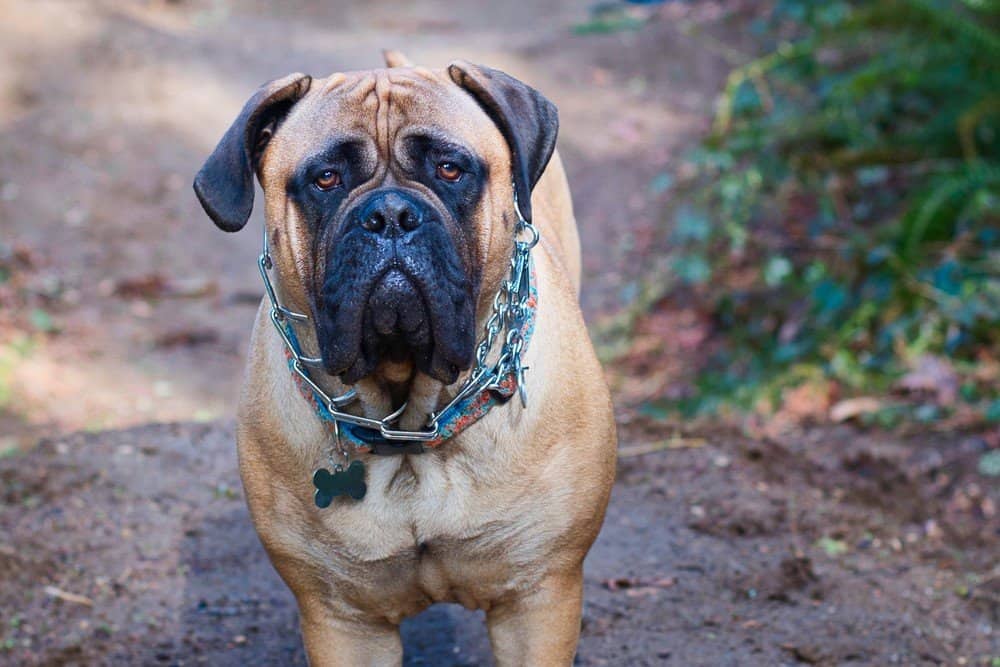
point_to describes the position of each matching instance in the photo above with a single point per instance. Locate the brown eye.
(328, 180)
(449, 172)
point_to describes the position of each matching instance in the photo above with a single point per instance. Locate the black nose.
(390, 212)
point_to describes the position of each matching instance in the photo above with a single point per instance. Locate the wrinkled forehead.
(382, 107)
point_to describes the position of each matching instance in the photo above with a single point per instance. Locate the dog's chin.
(399, 323)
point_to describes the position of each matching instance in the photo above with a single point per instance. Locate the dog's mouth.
(397, 322)
(415, 310)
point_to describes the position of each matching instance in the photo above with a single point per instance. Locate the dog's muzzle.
(396, 311)
(395, 288)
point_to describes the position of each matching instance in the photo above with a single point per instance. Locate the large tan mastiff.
(391, 224)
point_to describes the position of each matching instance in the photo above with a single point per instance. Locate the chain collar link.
(509, 310)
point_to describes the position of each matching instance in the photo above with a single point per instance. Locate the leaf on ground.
(187, 338)
(8, 446)
(156, 286)
(932, 375)
(852, 408)
(623, 583)
(691, 224)
(992, 412)
(148, 286)
(989, 464)
(832, 547)
(810, 400)
(692, 269)
(66, 596)
(42, 321)
(776, 270)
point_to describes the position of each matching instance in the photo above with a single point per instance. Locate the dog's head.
(389, 203)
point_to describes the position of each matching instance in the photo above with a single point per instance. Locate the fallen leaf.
(641, 592)
(187, 338)
(155, 286)
(623, 583)
(42, 321)
(832, 547)
(191, 288)
(854, 407)
(66, 596)
(807, 401)
(932, 375)
(806, 654)
(989, 464)
(148, 286)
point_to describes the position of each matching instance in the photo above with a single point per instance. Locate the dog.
(420, 252)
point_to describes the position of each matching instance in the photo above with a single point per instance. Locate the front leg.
(540, 627)
(333, 642)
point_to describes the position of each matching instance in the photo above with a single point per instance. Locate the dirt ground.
(124, 538)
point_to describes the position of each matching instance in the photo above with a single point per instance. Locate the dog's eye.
(449, 171)
(328, 180)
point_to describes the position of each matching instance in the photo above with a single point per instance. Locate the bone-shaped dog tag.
(341, 482)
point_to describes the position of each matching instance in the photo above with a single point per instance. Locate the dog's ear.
(395, 58)
(224, 185)
(528, 121)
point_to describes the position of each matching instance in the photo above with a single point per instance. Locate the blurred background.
(791, 235)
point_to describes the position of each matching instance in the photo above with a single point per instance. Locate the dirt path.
(725, 552)
(823, 547)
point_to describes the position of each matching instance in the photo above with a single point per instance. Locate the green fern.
(880, 124)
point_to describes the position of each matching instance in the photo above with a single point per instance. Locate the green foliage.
(42, 321)
(989, 463)
(854, 175)
(832, 547)
(611, 17)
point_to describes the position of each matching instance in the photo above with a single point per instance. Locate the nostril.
(408, 220)
(374, 222)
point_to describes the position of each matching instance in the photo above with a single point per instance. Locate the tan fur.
(395, 58)
(498, 518)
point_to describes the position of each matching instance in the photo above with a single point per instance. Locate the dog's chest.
(430, 531)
